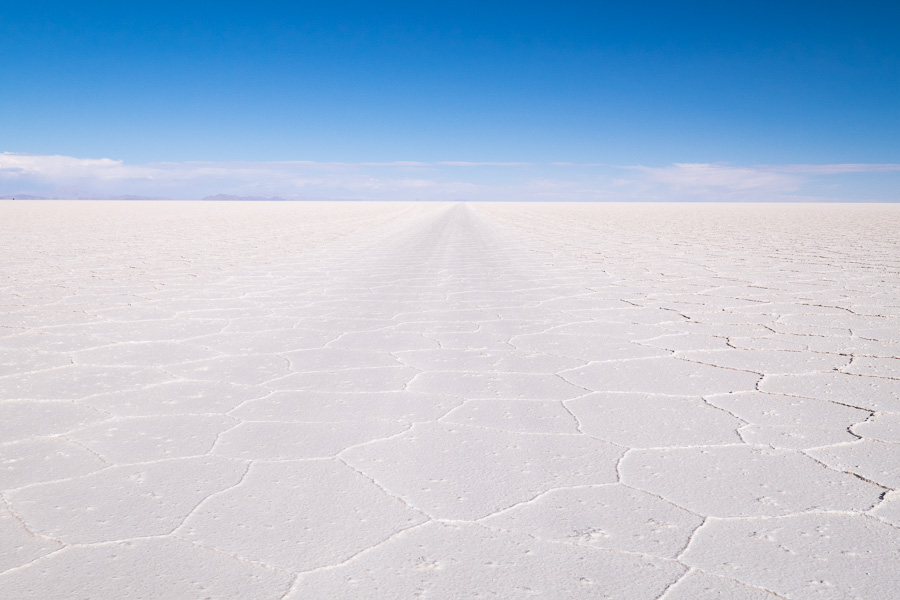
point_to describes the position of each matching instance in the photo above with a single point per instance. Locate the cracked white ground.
(313, 400)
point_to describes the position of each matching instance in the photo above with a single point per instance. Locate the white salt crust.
(389, 400)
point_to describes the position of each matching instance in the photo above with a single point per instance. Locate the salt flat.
(363, 400)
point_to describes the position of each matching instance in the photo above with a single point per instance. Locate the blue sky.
(641, 101)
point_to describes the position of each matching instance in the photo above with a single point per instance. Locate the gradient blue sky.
(646, 100)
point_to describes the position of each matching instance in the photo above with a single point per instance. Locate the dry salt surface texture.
(314, 400)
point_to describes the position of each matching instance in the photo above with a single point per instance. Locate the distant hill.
(230, 197)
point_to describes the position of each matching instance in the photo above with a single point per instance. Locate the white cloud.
(718, 177)
(833, 169)
(55, 175)
(13, 166)
(463, 163)
(48, 174)
(396, 163)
